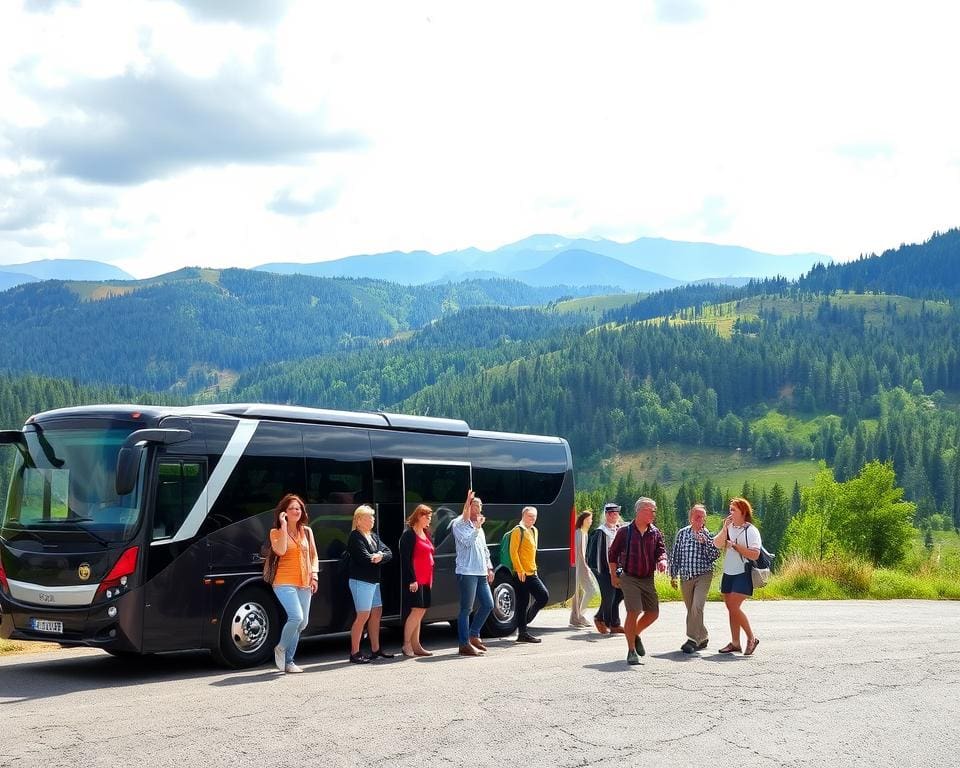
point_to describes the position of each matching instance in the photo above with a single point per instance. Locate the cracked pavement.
(856, 683)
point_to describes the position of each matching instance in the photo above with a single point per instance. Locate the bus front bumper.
(87, 625)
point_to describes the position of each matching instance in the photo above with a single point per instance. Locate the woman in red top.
(416, 574)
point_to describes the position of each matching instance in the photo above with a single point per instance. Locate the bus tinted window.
(338, 482)
(257, 484)
(540, 487)
(512, 486)
(497, 486)
(178, 487)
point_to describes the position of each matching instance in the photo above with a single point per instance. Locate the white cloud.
(185, 130)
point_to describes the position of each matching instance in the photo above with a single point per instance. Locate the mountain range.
(58, 269)
(645, 264)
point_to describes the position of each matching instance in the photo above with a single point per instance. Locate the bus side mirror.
(13, 437)
(128, 458)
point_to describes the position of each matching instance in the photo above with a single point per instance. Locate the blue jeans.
(471, 588)
(296, 603)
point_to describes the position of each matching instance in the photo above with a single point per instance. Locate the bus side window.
(179, 484)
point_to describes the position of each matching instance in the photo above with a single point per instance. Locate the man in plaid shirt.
(692, 560)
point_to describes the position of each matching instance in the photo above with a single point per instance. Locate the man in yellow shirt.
(526, 582)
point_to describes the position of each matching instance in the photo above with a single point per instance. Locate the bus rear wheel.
(503, 618)
(249, 629)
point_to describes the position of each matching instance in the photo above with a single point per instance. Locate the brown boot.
(468, 650)
(617, 631)
(478, 644)
(601, 627)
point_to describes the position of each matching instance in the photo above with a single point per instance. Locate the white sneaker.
(279, 657)
(291, 667)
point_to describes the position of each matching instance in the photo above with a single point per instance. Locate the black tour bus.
(138, 529)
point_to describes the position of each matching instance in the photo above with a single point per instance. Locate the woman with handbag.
(741, 542)
(416, 574)
(367, 555)
(295, 565)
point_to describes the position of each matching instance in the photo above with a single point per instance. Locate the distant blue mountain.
(674, 260)
(413, 268)
(12, 279)
(67, 269)
(579, 267)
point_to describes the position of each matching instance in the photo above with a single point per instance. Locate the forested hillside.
(927, 270)
(461, 344)
(188, 328)
(779, 369)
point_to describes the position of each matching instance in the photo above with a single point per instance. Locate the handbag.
(760, 568)
(758, 576)
(270, 561)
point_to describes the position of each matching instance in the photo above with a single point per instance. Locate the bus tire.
(503, 618)
(249, 629)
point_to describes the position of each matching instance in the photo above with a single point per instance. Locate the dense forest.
(180, 332)
(869, 377)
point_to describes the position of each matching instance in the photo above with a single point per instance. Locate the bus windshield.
(63, 487)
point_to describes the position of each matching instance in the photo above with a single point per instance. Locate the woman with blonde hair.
(295, 579)
(367, 555)
(585, 587)
(742, 543)
(416, 576)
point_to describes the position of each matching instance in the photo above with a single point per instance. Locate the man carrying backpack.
(607, 620)
(523, 562)
(474, 575)
(637, 552)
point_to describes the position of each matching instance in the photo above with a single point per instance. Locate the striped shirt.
(690, 556)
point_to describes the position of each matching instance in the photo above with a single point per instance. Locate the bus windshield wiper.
(75, 522)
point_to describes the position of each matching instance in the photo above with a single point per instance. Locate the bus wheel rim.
(503, 603)
(250, 627)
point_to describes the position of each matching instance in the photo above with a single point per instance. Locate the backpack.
(595, 551)
(505, 560)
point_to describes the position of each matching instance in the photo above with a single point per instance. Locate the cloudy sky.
(155, 134)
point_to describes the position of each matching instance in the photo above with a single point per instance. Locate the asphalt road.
(831, 684)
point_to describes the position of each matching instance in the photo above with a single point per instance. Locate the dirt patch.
(13, 647)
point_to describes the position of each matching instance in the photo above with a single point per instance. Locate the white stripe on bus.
(218, 479)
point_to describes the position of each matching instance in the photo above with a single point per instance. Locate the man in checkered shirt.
(692, 560)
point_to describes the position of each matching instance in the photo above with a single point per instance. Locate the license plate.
(46, 625)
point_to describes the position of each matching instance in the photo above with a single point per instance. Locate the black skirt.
(418, 599)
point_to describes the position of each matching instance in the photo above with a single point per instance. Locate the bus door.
(174, 599)
(443, 486)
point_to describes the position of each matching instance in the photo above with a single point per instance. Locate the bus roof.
(292, 413)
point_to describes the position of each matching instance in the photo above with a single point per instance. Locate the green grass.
(597, 305)
(726, 468)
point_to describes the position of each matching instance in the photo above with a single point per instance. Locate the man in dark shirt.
(637, 552)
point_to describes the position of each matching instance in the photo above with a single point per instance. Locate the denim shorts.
(366, 595)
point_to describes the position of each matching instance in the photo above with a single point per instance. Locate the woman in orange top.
(296, 578)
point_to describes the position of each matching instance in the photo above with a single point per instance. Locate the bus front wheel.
(249, 629)
(503, 618)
